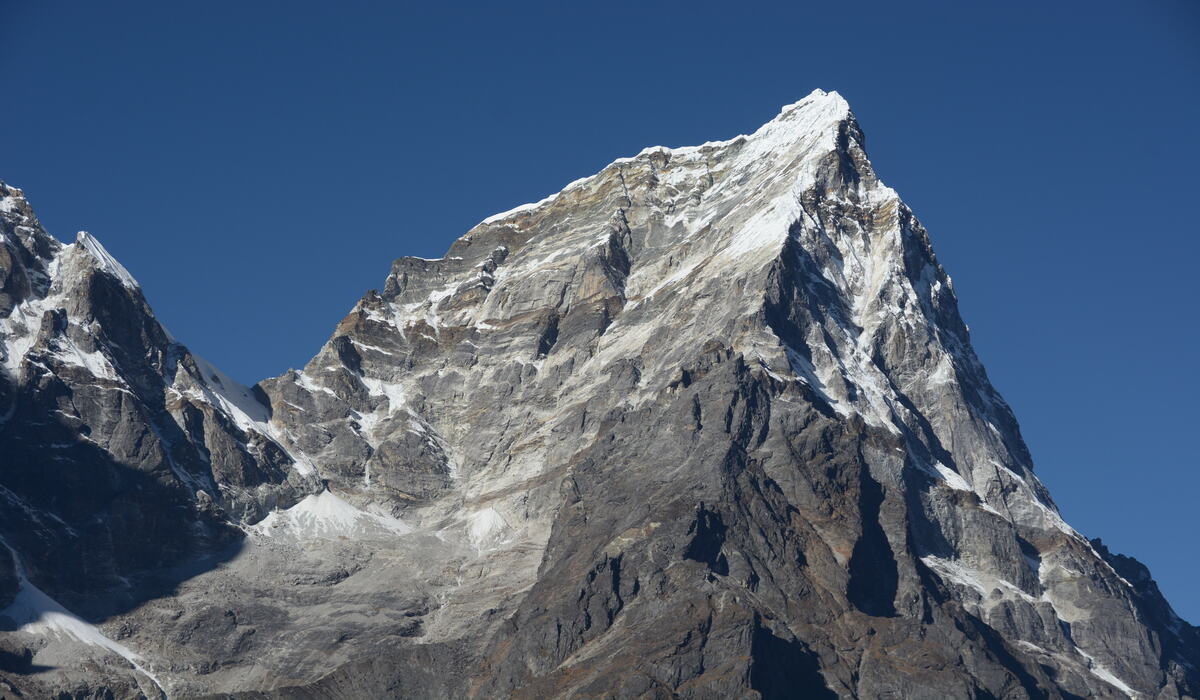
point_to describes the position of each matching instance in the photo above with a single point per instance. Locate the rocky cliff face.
(706, 423)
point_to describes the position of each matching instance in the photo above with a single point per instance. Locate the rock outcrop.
(707, 423)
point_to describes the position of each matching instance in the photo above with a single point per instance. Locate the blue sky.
(257, 166)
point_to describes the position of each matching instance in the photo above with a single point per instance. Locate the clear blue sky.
(258, 164)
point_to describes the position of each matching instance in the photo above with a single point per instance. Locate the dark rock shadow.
(100, 537)
(784, 669)
(874, 577)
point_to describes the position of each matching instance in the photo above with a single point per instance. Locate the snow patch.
(306, 382)
(94, 362)
(232, 396)
(247, 411)
(486, 528)
(983, 583)
(394, 393)
(37, 613)
(105, 261)
(327, 516)
(952, 478)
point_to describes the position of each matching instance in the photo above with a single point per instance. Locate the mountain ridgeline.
(705, 424)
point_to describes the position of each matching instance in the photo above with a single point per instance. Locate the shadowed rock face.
(706, 423)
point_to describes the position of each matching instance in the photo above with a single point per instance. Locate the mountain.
(705, 424)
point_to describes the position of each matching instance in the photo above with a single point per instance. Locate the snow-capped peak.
(104, 260)
(811, 116)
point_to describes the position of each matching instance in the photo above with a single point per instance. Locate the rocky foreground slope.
(704, 424)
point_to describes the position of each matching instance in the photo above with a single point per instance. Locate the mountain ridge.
(705, 422)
